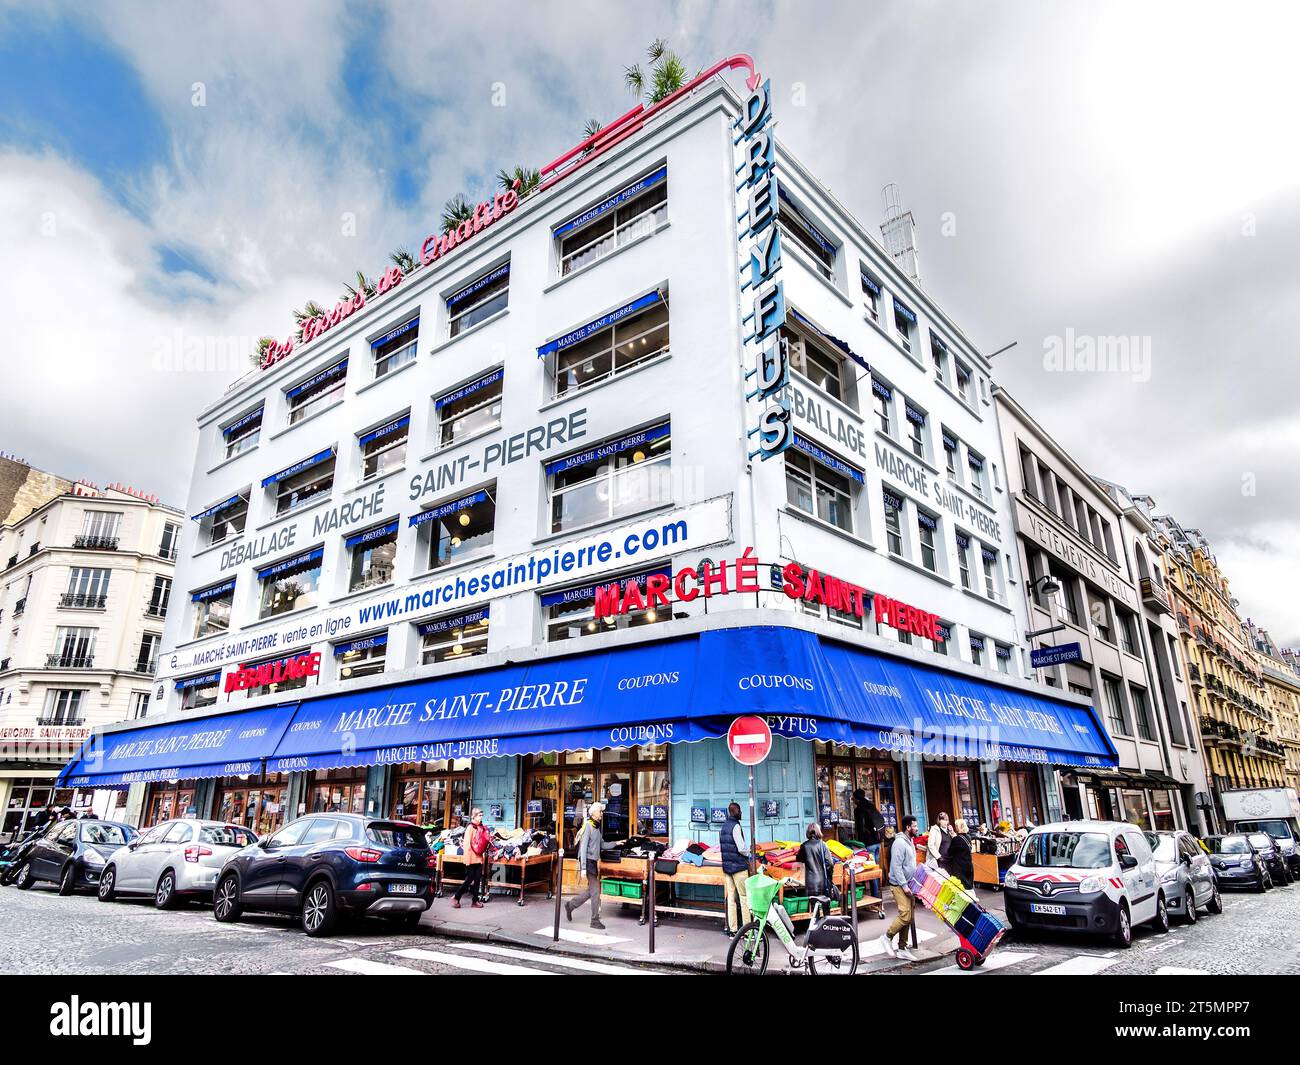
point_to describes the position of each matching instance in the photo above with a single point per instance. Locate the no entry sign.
(749, 740)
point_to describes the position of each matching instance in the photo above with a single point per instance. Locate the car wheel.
(107, 883)
(1215, 905)
(1189, 905)
(67, 880)
(164, 896)
(226, 906)
(25, 879)
(1161, 919)
(1262, 886)
(1124, 932)
(319, 911)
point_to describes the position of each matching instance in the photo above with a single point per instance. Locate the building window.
(916, 428)
(571, 613)
(612, 479)
(159, 597)
(963, 383)
(198, 692)
(450, 639)
(1028, 471)
(963, 558)
(977, 649)
(950, 453)
(938, 357)
(631, 782)
(870, 294)
(396, 348)
(87, 588)
(611, 345)
(1099, 615)
(882, 397)
(904, 325)
(383, 451)
(479, 300)
(74, 648)
(433, 793)
(290, 585)
(1002, 657)
(212, 608)
(824, 369)
(373, 553)
(989, 560)
(227, 519)
(471, 409)
(818, 489)
(1116, 712)
(139, 705)
(99, 528)
(170, 538)
(630, 213)
(976, 464)
(62, 707)
(304, 482)
(893, 522)
(807, 236)
(243, 434)
(459, 530)
(364, 657)
(1127, 631)
(317, 392)
(926, 527)
(1142, 711)
(146, 661)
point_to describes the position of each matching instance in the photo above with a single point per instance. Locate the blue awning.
(324, 375)
(234, 427)
(385, 430)
(807, 323)
(453, 507)
(305, 559)
(204, 680)
(478, 285)
(363, 644)
(868, 281)
(460, 621)
(298, 467)
(936, 341)
(617, 200)
(597, 324)
(905, 311)
(587, 592)
(379, 532)
(807, 223)
(225, 504)
(914, 414)
(218, 746)
(827, 459)
(469, 389)
(213, 591)
(393, 334)
(602, 451)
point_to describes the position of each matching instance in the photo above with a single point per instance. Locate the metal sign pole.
(559, 888)
(753, 826)
(650, 897)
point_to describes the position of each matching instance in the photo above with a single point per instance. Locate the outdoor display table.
(543, 864)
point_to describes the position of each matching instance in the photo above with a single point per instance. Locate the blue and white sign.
(213, 592)
(1042, 657)
(325, 375)
(394, 334)
(477, 286)
(827, 459)
(718, 815)
(771, 807)
(364, 644)
(617, 200)
(447, 509)
(469, 389)
(225, 504)
(534, 806)
(699, 815)
(603, 451)
(298, 467)
(597, 325)
(307, 558)
(461, 621)
(385, 430)
(379, 532)
(248, 419)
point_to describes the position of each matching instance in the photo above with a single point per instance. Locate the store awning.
(220, 745)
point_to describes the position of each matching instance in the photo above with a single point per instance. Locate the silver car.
(173, 860)
(1186, 874)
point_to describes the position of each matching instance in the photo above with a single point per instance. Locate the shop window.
(243, 434)
(882, 401)
(968, 793)
(613, 344)
(462, 529)
(823, 368)
(449, 639)
(362, 657)
(915, 428)
(338, 791)
(435, 795)
(817, 489)
(372, 554)
(198, 692)
(479, 300)
(612, 479)
(212, 608)
(256, 802)
(893, 522)
(870, 293)
(290, 585)
(396, 348)
(317, 392)
(163, 804)
(631, 213)
(571, 613)
(631, 782)
(840, 771)
(927, 527)
(963, 558)
(796, 225)
(469, 410)
(227, 520)
(305, 482)
(383, 450)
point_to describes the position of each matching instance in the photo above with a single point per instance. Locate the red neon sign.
(436, 245)
(247, 677)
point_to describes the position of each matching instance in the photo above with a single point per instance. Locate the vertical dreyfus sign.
(762, 296)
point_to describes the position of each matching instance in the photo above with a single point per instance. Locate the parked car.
(324, 865)
(1186, 874)
(1086, 876)
(172, 861)
(1278, 870)
(1236, 863)
(1282, 834)
(72, 854)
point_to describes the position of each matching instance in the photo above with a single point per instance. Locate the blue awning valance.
(617, 200)
(394, 334)
(614, 447)
(394, 426)
(453, 507)
(827, 459)
(248, 419)
(905, 311)
(325, 375)
(478, 285)
(469, 389)
(365, 643)
(379, 532)
(225, 504)
(597, 324)
(214, 591)
(587, 592)
(817, 330)
(307, 558)
(460, 621)
(298, 467)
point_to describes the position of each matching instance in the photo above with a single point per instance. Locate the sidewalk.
(680, 941)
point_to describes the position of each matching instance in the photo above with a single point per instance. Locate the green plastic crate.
(795, 905)
(620, 889)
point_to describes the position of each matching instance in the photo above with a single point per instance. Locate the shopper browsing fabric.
(960, 863)
(477, 839)
(868, 822)
(902, 864)
(817, 861)
(588, 843)
(735, 869)
(937, 841)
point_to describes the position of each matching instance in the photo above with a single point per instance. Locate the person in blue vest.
(735, 869)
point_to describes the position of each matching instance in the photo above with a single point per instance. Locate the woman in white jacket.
(937, 840)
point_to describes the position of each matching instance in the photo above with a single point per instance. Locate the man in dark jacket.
(817, 862)
(959, 861)
(735, 868)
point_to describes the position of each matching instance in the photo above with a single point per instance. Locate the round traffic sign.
(749, 740)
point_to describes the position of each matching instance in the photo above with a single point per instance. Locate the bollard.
(559, 890)
(649, 909)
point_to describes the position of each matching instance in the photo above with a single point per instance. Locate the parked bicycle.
(830, 945)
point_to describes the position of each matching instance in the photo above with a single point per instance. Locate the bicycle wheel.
(842, 962)
(747, 955)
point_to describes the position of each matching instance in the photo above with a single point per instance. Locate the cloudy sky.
(177, 177)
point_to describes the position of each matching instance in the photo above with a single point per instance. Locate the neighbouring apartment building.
(1281, 673)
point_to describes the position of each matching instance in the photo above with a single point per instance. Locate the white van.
(1095, 877)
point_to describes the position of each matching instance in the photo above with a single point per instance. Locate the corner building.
(511, 535)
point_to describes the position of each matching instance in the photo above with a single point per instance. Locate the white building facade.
(505, 535)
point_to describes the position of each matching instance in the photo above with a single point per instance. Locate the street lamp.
(1050, 587)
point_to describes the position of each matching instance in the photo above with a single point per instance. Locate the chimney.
(899, 231)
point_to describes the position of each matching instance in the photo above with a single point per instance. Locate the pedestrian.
(960, 863)
(902, 864)
(937, 841)
(589, 843)
(735, 869)
(817, 861)
(868, 823)
(66, 814)
(475, 847)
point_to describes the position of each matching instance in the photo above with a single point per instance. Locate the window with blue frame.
(458, 530)
(634, 211)
(319, 391)
(290, 585)
(396, 348)
(796, 224)
(478, 301)
(618, 477)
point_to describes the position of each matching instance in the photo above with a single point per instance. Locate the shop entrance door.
(579, 793)
(540, 802)
(939, 796)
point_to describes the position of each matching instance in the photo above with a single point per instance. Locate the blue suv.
(324, 865)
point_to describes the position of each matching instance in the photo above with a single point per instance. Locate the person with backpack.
(589, 842)
(735, 869)
(475, 846)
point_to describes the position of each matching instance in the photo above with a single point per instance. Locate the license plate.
(403, 889)
(1048, 908)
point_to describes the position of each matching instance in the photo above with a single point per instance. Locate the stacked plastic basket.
(959, 909)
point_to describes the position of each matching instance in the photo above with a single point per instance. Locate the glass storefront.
(1018, 798)
(173, 798)
(432, 793)
(840, 771)
(631, 782)
(256, 802)
(337, 791)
